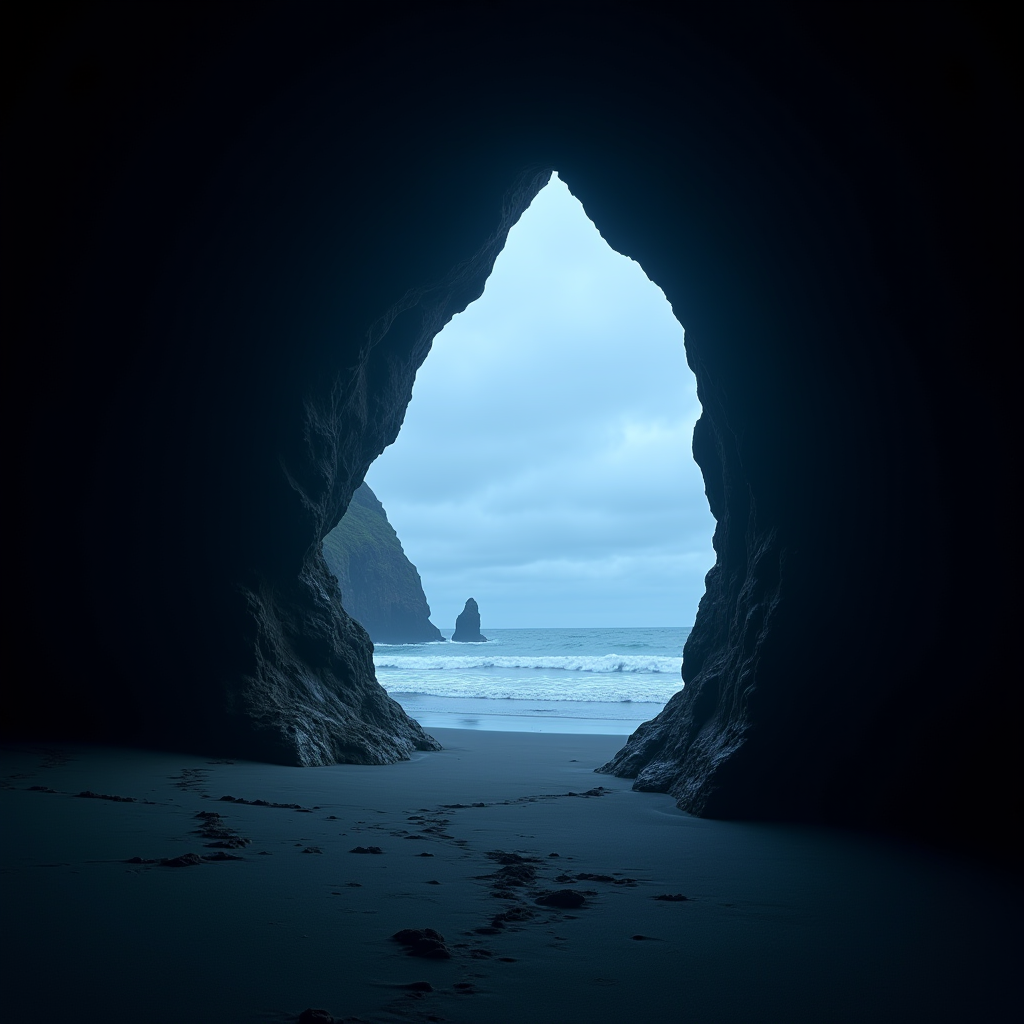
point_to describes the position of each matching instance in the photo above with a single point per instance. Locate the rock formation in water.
(269, 220)
(380, 587)
(467, 625)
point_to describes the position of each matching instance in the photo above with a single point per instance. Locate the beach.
(107, 918)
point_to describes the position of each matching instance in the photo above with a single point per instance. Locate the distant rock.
(467, 625)
(380, 587)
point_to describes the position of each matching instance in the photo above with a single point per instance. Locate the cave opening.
(543, 469)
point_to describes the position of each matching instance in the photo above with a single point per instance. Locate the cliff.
(467, 625)
(380, 587)
(271, 218)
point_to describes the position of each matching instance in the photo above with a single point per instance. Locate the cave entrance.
(543, 469)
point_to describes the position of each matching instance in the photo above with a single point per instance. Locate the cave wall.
(231, 240)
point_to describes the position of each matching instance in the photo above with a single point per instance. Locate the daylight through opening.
(543, 470)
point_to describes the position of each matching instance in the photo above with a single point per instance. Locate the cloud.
(544, 465)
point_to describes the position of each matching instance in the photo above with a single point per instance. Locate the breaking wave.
(606, 689)
(603, 663)
(550, 668)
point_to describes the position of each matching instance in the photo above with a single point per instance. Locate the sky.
(544, 466)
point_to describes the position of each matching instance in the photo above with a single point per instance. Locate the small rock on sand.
(310, 1016)
(423, 942)
(186, 860)
(566, 899)
(512, 915)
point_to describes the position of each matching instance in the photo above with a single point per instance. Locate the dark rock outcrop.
(380, 587)
(467, 625)
(214, 322)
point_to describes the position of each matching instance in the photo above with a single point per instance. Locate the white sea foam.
(583, 688)
(540, 665)
(568, 663)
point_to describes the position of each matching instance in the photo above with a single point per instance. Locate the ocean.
(603, 681)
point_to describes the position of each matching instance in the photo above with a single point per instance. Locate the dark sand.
(780, 924)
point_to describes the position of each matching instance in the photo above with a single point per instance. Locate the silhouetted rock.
(380, 587)
(467, 625)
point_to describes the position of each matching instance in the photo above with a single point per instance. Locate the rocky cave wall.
(231, 243)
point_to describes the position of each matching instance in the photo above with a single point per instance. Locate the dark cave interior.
(229, 245)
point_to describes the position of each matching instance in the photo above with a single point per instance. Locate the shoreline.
(507, 714)
(781, 924)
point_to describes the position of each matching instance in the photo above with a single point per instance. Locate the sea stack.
(467, 625)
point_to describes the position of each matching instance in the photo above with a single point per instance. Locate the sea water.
(537, 680)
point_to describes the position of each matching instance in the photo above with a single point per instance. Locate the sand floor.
(780, 924)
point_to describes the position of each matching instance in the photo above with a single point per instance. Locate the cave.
(230, 245)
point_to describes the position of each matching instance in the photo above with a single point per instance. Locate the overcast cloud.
(544, 467)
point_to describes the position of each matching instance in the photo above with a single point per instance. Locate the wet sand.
(138, 910)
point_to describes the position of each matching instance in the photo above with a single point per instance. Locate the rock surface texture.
(380, 587)
(467, 625)
(216, 321)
